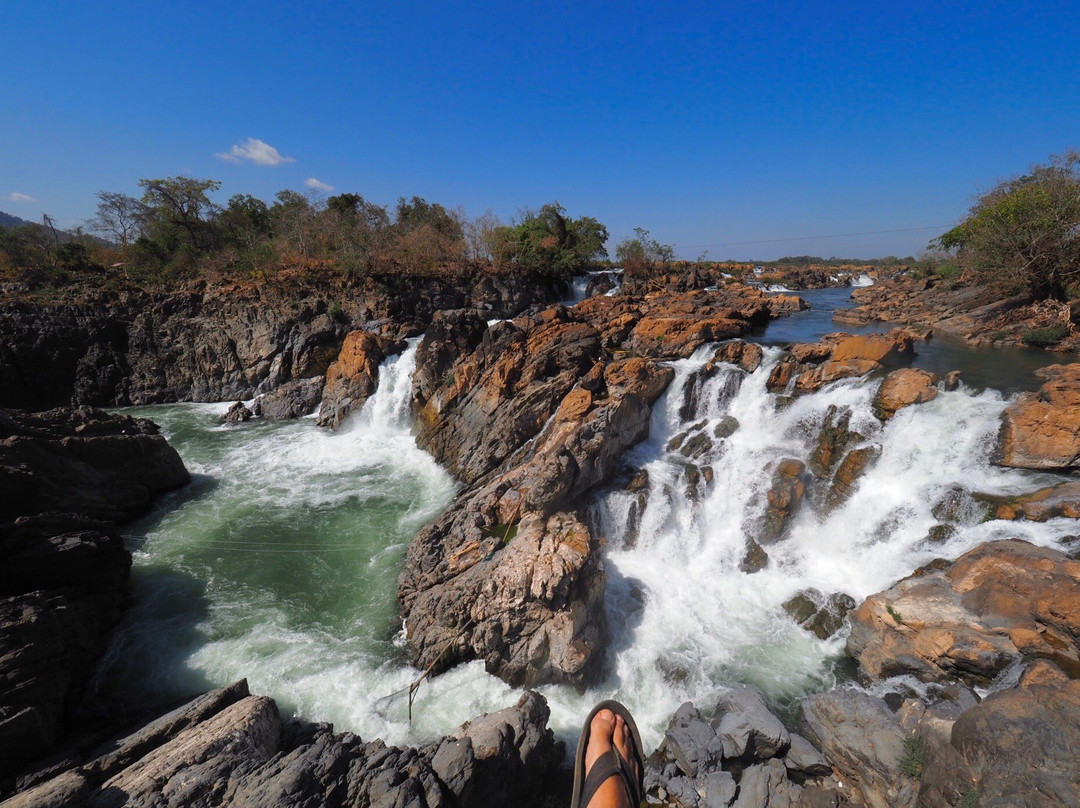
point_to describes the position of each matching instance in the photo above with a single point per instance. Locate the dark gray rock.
(765, 785)
(291, 400)
(803, 759)
(747, 727)
(238, 413)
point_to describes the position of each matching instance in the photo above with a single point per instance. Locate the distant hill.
(7, 220)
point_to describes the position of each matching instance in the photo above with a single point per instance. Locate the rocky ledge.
(229, 748)
(67, 477)
(971, 312)
(533, 414)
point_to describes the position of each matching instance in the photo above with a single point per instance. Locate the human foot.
(621, 773)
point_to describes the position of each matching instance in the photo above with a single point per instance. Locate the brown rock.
(833, 440)
(1042, 430)
(811, 352)
(831, 371)
(352, 378)
(747, 355)
(847, 475)
(880, 348)
(998, 603)
(902, 388)
(1062, 499)
(784, 498)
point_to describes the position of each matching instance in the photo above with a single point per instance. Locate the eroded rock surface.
(229, 748)
(995, 605)
(1042, 430)
(903, 388)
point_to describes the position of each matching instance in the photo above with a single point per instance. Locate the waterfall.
(387, 410)
(862, 280)
(686, 620)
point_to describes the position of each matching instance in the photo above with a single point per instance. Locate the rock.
(822, 616)
(833, 441)
(83, 461)
(861, 738)
(544, 420)
(811, 353)
(746, 727)
(833, 370)
(846, 478)
(884, 349)
(782, 374)
(726, 427)
(997, 604)
(902, 388)
(1062, 499)
(1042, 430)
(230, 749)
(784, 499)
(691, 741)
(746, 355)
(1020, 745)
(292, 399)
(952, 381)
(237, 414)
(755, 558)
(765, 785)
(352, 378)
(803, 759)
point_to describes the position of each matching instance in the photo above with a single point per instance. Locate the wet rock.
(1062, 499)
(939, 534)
(782, 374)
(726, 427)
(238, 413)
(833, 441)
(755, 558)
(862, 738)
(1042, 430)
(746, 355)
(833, 370)
(952, 381)
(959, 506)
(822, 616)
(352, 378)
(997, 604)
(903, 388)
(785, 496)
(811, 353)
(292, 399)
(848, 474)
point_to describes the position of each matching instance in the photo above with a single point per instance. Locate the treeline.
(176, 230)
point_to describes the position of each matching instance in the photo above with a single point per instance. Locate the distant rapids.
(280, 562)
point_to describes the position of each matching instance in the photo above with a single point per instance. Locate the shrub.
(914, 757)
(1045, 337)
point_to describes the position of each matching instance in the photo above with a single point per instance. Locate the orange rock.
(1042, 430)
(352, 378)
(880, 348)
(902, 388)
(832, 371)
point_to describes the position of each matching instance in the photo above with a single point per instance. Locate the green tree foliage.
(1024, 234)
(643, 250)
(549, 243)
(119, 217)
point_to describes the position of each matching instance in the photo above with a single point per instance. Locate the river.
(279, 562)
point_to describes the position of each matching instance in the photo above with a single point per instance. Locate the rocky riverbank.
(217, 341)
(974, 313)
(67, 479)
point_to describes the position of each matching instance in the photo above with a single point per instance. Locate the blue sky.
(711, 125)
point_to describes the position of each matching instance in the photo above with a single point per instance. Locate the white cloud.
(316, 185)
(17, 197)
(257, 151)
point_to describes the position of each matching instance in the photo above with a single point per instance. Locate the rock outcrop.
(352, 377)
(808, 367)
(208, 341)
(1042, 430)
(65, 477)
(229, 748)
(1000, 603)
(291, 400)
(533, 414)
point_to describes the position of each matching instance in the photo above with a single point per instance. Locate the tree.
(1024, 234)
(549, 243)
(182, 203)
(119, 217)
(643, 250)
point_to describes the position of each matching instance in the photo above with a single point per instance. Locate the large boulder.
(83, 461)
(292, 399)
(972, 618)
(862, 738)
(902, 388)
(1042, 430)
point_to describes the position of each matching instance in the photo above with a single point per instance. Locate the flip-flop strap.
(608, 765)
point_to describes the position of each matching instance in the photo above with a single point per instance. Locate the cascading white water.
(862, 280)
(279, 563)
(687, 621)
